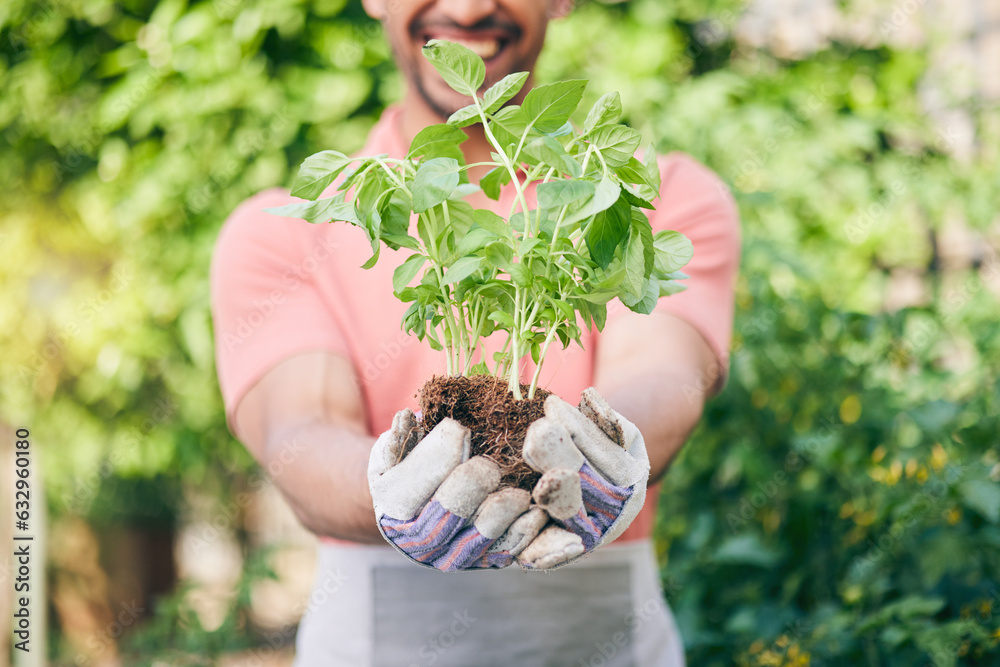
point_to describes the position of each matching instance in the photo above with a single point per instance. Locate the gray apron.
(371, 607)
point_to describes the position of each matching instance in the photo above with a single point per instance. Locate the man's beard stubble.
(420, 27)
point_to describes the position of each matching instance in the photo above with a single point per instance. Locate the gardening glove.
(594, 472)
(438, 506)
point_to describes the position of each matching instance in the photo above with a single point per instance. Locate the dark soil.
(498, 421)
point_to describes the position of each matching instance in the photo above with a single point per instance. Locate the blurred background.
(840, 503)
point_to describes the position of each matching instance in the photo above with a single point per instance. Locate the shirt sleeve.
(266, 303)
(696, 203)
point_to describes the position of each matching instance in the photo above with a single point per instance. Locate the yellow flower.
(911, 468)
(757, 646)
(922, 474)
(895, 472)
(953, 516)
(850, 409)
(852, 594)
(939, 457)
(878, 454)
(865, 518)
(769, 659)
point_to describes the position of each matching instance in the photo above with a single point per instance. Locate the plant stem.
(507, 162)
(448, 315)
(462, 344)
(541, 360)
(514, 383)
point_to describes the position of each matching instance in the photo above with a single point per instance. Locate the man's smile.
(489, 40)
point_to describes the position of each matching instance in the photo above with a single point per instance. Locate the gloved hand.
(595, 469)
(441, 508)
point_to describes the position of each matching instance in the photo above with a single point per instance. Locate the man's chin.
(441, 99)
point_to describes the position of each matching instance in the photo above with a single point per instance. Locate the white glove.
(595, 469)
(441, 508)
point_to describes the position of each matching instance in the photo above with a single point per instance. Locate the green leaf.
(635, 200)
(608, 109)
(606, 193)
(653, 169)
(673, 251)
(594, 312)
(489, 220)
(461, 69)
(499, 254)
(373, 259)
(612, 278)
(608, 230)
(565, 309)
(647, 301)
(636, 172)
(397, 241)
(462, 269)
(460, 216)
(440, 140)
(556, 194)
(355, 173)
(462, 191)
(396, 214)
(508, 125)
(434, 182)
(520, 274)
(671, 287)
(464, 117)
(479, 369)
(617, 143)
(551, 152)
(503, 90)
(637, 258)
(599, 296)
(495, 179)
(547, 107)
(476, 239)
(983, 497)
(503, 319)
(406, 272)
(527, 244)
(372, 190)
(373, 229)
(643, 230)
(321, 210)
(317, 172)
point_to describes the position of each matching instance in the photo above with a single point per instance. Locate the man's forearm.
(322, 471)
(665, 407)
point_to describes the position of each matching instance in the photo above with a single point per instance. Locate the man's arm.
(304, 422)
(657, 371)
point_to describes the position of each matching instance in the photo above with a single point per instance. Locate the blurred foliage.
(176, 635)
(839, 504)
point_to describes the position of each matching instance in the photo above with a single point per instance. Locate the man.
(313, 366)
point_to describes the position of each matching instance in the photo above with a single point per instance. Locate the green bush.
(840, 502)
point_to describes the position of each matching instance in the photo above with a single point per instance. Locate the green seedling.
(539, 274)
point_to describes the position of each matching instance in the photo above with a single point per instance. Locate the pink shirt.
(283, 286)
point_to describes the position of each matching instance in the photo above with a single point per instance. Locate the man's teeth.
(484, 48)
